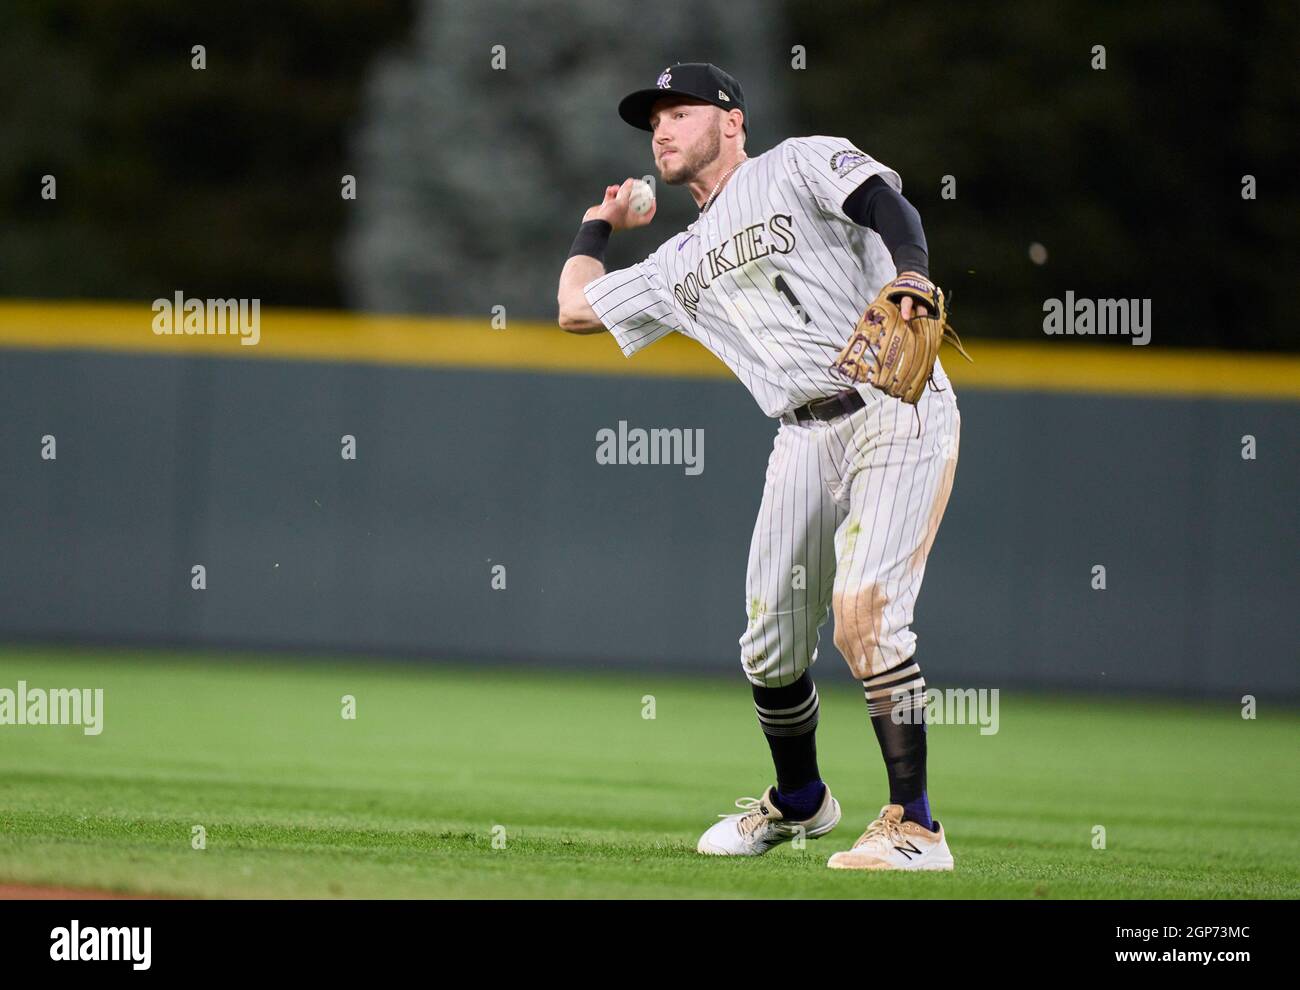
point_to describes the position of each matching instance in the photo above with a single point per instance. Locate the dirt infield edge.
(46, 892)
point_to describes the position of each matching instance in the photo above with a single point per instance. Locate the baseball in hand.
(641, 198)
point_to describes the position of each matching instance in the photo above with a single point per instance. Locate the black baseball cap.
(702, 80)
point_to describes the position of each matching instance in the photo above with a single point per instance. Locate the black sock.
(896, 704)
(788, 717)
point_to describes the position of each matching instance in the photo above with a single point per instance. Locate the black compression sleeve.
(876, 205)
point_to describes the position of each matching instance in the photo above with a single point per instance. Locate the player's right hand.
(615, 210)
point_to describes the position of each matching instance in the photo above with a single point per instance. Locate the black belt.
(831, 407)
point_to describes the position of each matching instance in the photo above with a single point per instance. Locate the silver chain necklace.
(718, 185)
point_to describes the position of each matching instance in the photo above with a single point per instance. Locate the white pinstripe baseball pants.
(849, 513)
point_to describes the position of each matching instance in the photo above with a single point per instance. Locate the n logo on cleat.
(910, 846)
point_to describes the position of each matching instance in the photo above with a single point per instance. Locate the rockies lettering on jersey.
(745, 246)
(772, 279)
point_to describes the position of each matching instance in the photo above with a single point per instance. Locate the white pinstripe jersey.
(772, 279)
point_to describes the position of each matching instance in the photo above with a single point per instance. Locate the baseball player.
(790, 247)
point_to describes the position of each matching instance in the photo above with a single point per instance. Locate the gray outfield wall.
(235, 464)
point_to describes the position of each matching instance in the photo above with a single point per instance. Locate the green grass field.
(597, 801)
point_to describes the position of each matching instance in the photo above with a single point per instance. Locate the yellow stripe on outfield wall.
(1061, 364)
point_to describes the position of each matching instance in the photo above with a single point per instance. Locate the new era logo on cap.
(698, 80)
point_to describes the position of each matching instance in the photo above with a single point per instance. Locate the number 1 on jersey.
(783, 287)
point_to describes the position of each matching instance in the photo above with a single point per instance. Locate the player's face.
(687, 138)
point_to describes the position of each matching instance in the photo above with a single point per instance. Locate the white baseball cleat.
(889, 843)
(760, 826)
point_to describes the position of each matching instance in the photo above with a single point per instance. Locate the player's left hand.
(909, 307)
(896, 352)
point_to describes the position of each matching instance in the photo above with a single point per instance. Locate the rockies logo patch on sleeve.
(844, 162)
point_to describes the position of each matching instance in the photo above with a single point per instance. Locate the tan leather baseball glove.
(894, 355)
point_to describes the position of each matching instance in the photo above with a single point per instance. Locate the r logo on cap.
(700, 81)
